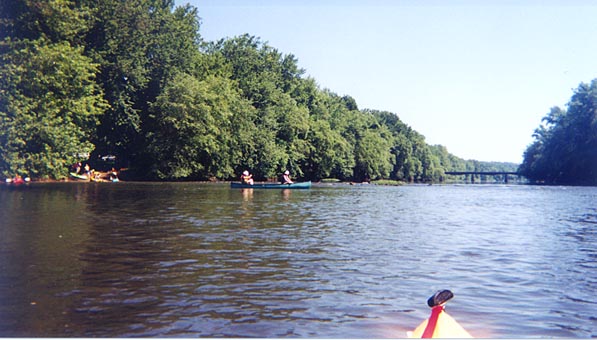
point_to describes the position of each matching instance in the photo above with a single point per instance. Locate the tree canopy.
(565, 147)
(134, 79)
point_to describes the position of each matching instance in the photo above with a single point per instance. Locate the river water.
(335, 261)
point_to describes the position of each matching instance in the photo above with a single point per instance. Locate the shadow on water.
(190, 259)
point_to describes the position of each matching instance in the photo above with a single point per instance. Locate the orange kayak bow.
(440, 324)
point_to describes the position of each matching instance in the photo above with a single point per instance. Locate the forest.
(85, 81)
(564, 150)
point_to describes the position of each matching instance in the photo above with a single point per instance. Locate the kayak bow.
(440, 324)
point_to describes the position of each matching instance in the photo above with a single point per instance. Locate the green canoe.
(296, 185)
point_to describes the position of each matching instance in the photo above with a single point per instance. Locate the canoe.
(79, 177)
(295, 185)
(439, 324)
(17, 180)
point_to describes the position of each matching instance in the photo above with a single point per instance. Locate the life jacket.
(245, 179)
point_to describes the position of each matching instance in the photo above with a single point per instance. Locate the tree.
(193, 137)
(49, 108)
(372, 155)
(172, 106)
(140, 45)
(328, 155)
(269, 81)
(565, 147)
(52, 20)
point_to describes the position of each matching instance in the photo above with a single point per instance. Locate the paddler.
(246, 178)
(286, 178)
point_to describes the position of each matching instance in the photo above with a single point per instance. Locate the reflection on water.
(188, 259)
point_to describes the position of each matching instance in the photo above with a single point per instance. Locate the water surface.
(204, 260)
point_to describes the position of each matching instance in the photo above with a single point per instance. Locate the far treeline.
(83, 80)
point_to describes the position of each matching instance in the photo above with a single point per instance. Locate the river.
(335, 261)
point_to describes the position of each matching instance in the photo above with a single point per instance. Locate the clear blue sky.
(474, 76)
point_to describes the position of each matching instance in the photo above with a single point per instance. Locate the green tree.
(172, 106)
(372, 155)
(331, 143)
(53, 20)
(329, 155)
(140, 45)
(413, 159)
(49, 106)
(269, 80)
(193, 137)
(565, 147)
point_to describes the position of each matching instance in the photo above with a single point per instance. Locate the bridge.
(481, 173)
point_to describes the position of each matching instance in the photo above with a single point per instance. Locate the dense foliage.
(565, 146)
(82, 79)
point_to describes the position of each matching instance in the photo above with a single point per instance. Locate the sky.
(474, 76)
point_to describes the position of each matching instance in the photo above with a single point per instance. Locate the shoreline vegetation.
(325, 181)
(135, 85)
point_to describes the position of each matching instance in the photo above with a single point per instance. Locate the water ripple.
(188, 260)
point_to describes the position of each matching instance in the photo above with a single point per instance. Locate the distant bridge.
(486, 173)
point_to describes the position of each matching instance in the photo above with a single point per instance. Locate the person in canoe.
(286, 178)
(88, 171)
(246, 178)
(77, 167)
(113, 175)
(18, 180)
